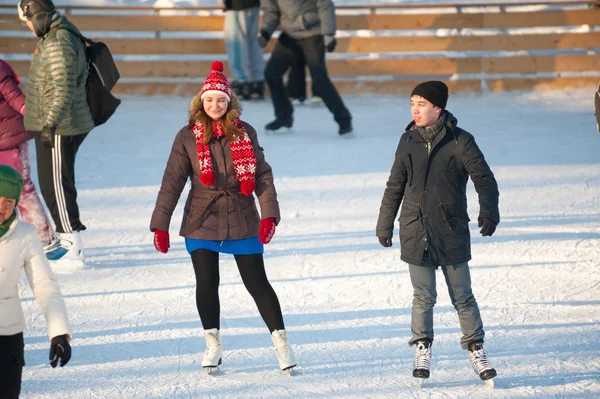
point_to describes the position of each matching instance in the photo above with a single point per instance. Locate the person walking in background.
(308, 27)
(21, 250)
(14, 152)
(245, 56)
(58, 111)
(226, 165)
(433, 163)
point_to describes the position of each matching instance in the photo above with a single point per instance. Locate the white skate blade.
(66, 266)
(284, 131)
(420, 382)
(489, 383)
(289, 372)
(212, 370)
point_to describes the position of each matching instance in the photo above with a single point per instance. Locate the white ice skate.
(480, 364)
(66, 253)
(213, 356)
(422, 360)
(285, 354)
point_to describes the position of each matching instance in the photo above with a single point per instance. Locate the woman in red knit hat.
(226, 165)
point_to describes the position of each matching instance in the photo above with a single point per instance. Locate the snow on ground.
(346, 300)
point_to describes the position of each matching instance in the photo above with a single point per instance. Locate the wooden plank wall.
(455, 57)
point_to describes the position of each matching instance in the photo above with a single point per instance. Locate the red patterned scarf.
(242, 154)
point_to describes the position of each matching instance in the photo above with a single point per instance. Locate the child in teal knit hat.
(21, 250)
(11, 184)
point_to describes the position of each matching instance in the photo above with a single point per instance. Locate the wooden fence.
(381, 49)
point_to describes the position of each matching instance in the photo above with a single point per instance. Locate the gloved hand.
(263, 38)
(267, 230)
(59, 350)
(47, 136)
(386, 242)
(161, 241)
(488, 226)
(330, 43)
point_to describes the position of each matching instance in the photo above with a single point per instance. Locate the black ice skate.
(279, 123)
(236, 87)
(257, 90)
(481, 366)
(422, 360)
(345, 127)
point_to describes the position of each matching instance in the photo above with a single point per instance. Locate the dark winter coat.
(432, 190)
(56, 89)
(12, 99)
(299, 18)
(219, 212)
(238, 5)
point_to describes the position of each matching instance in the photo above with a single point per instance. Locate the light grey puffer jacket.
(299, 18)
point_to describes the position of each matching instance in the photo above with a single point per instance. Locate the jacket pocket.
(457, 238)
(452, 173)
(409, 169)
(410, 225)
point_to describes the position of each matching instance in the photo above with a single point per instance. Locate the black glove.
(386, 242)
(263, 38)
(488, 227)
(330, 43)
(47, 136)
(59, 349)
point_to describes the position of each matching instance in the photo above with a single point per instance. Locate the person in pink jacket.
(20, 250)
(14, 152)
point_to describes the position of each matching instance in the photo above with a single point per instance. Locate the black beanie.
(434, 91)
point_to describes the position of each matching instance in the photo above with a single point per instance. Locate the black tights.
(252, 270)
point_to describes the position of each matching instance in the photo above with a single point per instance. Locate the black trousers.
(12, 360)
(296, 83)
(56, 174)
(252, 271)
(284, 56)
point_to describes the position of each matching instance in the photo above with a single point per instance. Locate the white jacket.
(20, 248)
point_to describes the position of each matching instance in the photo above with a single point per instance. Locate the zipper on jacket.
(226, 185)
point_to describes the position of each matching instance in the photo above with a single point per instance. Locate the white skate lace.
(423, 357)
(479, 361)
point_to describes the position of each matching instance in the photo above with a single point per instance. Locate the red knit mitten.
(161, 241)
(267, 230)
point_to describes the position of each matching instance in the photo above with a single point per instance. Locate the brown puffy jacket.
(219, 212)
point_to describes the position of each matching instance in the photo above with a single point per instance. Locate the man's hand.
(47, 136)
(263, 38)
(330, 43)
(385, 241)
(488, 227)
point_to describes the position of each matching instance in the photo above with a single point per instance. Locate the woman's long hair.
(234, 109)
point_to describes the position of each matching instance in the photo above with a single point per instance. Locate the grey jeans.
(458, 280)
(245, 55)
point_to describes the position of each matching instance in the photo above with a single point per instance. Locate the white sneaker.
(213, 356)
(284, 351)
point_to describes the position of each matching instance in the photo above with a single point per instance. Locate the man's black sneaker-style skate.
(345, 127)
(422, 359)
(279, 123)
(479, 361)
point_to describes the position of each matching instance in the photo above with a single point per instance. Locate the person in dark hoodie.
(58, 111)
(307, 27)
(433, 163)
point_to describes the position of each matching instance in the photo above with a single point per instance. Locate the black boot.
(236, 87)
(345, 126)
(279, 123)
(257, 90)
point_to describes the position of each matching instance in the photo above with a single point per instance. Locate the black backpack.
(103, 74)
